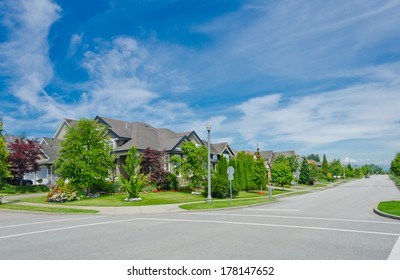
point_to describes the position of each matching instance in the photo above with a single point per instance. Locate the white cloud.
(74, 44)
(364, 111)
(26, 52)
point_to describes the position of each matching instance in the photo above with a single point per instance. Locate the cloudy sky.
(311, 76)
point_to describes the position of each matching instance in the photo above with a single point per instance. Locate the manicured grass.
(225, 203)
(148, 199)
(118, 199)
(390, 207)
(46, 209)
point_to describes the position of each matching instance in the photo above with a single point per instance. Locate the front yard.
(157, 198)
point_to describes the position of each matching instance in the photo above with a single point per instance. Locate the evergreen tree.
(313, 172)
(260, 174)
(325, 166)
(220, 186)
(305, 174)
(314, 157)
(136, 180)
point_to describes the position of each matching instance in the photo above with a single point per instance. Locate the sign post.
(230, 172)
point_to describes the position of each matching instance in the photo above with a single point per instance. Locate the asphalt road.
(332, 224)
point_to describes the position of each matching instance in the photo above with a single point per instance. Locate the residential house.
(269, 156)
(125, 135)
(219, 150)
(50, 147)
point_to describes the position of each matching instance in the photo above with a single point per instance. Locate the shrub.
(63, 194)
(170, 182)
(10, 189)
(220, 188)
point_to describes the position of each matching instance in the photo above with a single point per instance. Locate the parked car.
(17, 182)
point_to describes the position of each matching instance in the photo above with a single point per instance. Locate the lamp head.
(208, 127)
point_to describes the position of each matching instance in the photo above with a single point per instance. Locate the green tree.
(85, 158)
(291, 161)
(314, 157)
(281, 174)
(313, 172)
(395, 165)
(4, 171)
(336, 168)
(193, 165)
(246, 163)
(305, 174)
(260, 176)
(220, 183)
(325, 166)
(136, 180)
(349, 171)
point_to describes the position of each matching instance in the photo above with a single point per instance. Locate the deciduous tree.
(23, 158)
(4, 171)
(395, 165)
(85, 158)
(193, 165)
(281, 174)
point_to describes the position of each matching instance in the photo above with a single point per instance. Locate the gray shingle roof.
(142, 135)
(50, 147)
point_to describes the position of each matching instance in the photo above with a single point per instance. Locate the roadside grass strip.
(11, 206)
(390, 207)
(227, 203)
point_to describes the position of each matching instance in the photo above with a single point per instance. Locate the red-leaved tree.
(152, 164)
(23, 158)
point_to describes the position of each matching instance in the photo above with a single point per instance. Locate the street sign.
(230, 170)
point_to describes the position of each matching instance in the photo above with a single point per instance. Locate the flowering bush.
(58, 194)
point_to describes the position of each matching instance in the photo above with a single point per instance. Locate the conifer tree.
(325, 166)
(136, 180)
(260, 174)
(305, 176)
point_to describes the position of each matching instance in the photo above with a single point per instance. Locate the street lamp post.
(209, 198)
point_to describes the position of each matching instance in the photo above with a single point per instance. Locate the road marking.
(294, 217)
(272, 209)
(65, 228)
(273, 225)
(395, 254)
(53, 221)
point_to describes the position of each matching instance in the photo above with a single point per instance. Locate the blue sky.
(311, 76)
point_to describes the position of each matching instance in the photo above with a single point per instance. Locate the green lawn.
(148, 199)
(11, 206)
(390, 207)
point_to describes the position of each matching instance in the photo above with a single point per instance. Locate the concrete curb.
(386, 215)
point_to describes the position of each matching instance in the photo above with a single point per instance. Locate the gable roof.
(50, 148)
(65, 122)
(143, 136)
